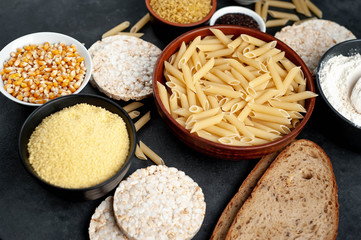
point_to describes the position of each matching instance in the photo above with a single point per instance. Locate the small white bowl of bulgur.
(80, 146)
(39, 67)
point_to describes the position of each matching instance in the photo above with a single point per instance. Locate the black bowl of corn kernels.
(39, 67)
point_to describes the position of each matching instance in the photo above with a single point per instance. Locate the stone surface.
(29, 211)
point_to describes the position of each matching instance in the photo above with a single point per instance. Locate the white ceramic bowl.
(237, 9)
(40, 38)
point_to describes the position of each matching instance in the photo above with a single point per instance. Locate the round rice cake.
(159, 202)
(103, 225)
(123, 67)
(312, 38)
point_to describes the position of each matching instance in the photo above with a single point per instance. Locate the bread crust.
(230, 212)
(287, 154)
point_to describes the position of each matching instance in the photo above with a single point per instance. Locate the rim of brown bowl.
(203, 20)
(219, 150)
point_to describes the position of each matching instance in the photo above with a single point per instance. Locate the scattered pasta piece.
(142, 121)
(134, 114)
(151, 154)
(139, 153)
(132, 106)
(140, 23)
(304, 7)
(116, 29)
(138, 35)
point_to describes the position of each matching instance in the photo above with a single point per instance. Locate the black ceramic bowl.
(335, 125)
(56, 105)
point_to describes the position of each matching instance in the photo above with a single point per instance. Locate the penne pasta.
(250, 94)
(314, 8)
(258, 7)
(142, 121)
(281, 4)
(132, 106)
(139, 153)
(163, 94)
(204, 123)
(298, 96)
(305, 9)
(290, 16)
(264, 11)
(298, 6)
(221, 36)
(188, 53)
(277, 22)
(138, 35)
(116, 29)
(144, 20)
(134, 114)
(151, 154)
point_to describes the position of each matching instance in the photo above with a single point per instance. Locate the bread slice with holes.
(296, 198)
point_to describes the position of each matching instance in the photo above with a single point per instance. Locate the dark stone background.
(28, 211)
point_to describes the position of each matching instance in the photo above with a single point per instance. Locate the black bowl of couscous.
(171, 18)
(78, 146)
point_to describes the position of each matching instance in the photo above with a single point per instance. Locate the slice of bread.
(230, 212)
(296, 198)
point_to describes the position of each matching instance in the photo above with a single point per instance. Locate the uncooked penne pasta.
(204, 123)
(116, 29)
(203, 70)
(314, 8)
(132, 106)
(138, 35)
(180, 53)
(188, 53)
(298, 6)
(261, 50)
(258, 7)
(290, 16)
(306, 11)
(277, 22)
(264, 11)
(274, 73)
(289, 106)
(234, 99)
(163, 94)
(134, 114)
(221, 36)
(235, 43)
(252, 40)
(173, 104)
(210, 47)
(151, 154)
(298, 96)
(139, 153)
(196, 60)
(140, 23)
(206, 135)
(142, 121)
(281, 4)
(269, 110)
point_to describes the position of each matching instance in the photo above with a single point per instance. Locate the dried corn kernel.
(37, 73)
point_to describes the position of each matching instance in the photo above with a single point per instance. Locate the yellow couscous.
(79, 146)
(181, 11)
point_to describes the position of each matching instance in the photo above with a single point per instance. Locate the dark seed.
(238, 19)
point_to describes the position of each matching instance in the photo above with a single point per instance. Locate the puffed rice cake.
(102, 224)
(312, 38)
(123, 67)
(159, 202)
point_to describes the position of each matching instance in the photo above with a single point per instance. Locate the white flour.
(338, 77)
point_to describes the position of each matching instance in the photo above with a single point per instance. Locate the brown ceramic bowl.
(219, 150)
(169, 30)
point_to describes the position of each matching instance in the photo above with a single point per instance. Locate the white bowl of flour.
(339, 81)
